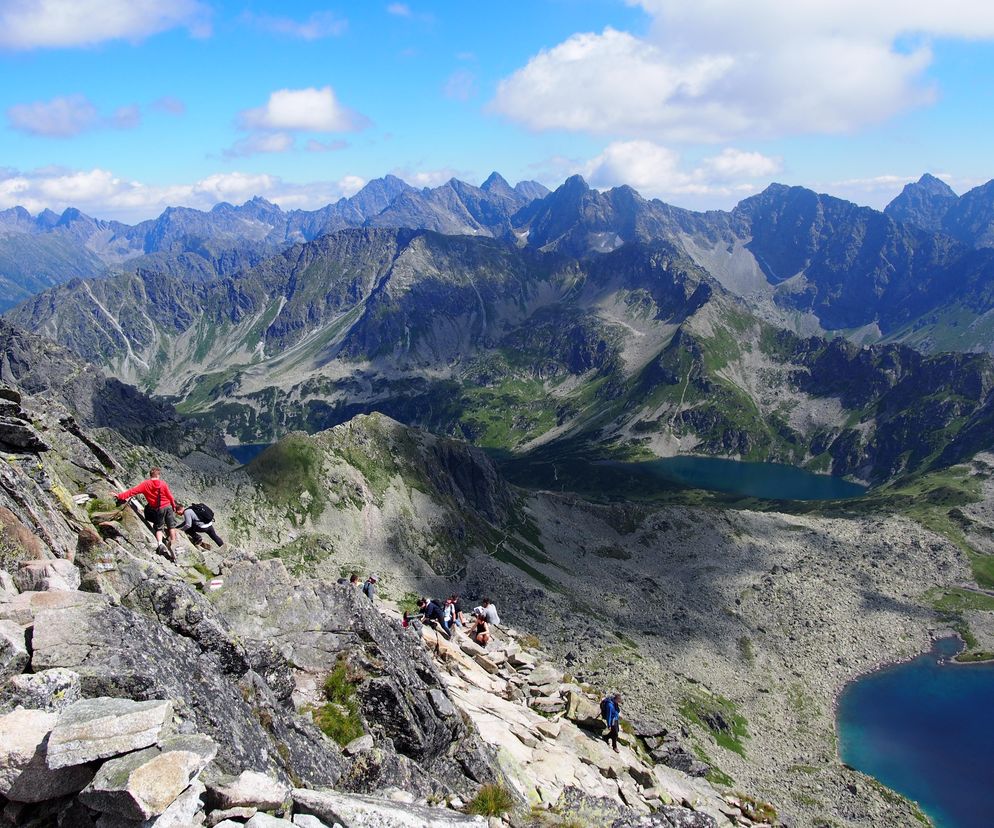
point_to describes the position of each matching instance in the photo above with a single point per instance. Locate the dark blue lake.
(767, 480)
(926, 729)
(247, 452)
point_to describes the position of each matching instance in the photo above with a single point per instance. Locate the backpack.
(203, 512)
(605, 708)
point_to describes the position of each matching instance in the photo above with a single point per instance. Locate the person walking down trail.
(489, 612)
(369, 588)
(197, 518)
(160, 508)
(611, 713)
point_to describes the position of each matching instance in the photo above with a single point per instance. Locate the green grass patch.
(719, 716)
(289, 468)
(983, 569)
(339, 717)
(956, 600)
(491, 801)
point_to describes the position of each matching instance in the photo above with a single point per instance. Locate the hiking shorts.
(164, 518)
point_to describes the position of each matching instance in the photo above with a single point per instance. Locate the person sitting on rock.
(197, 518)
(159, 508)
(369, 588)
(434, 616)
(489, 611)
(481, 631)
(611, 711)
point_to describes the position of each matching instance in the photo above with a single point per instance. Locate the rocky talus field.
(243, 685)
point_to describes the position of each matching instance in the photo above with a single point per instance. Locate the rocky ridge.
(135, 694)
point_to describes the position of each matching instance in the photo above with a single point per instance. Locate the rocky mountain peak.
(923, 203)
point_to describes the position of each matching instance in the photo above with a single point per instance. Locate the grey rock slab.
(97, 728)
(216, 816)
(358, 745)
(248, 789)
(353, 811)
(24, 607)
(56, 575)
(7, 587)
(24, 774)
(185, 809)
(441, 702)
(53, 690)
(308, 821)
(13, 651)
(261, 820)
(669, 816)
(144, 784)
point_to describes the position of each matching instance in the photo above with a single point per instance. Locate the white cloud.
(657, 171)
(260, 142)
(312, 110)
(400, 10)
(67, 116)
(34, 24)
(100, 193)
(714, 70)
(425, 178)
(460, 85)
(57, 118)
(319, 25)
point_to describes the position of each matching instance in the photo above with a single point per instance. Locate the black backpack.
(203, 512)
(604, 707)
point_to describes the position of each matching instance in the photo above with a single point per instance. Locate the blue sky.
(121, 107)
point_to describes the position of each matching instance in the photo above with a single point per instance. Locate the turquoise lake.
(766, 480)
(926, 729)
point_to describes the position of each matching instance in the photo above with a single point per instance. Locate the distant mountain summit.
(923, 204)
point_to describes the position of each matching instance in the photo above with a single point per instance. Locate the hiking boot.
(204, 545)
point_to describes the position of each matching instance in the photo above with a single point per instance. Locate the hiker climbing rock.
(369, 588)
(611, 713)
(198, 518)
(434, 616)
(159, 508)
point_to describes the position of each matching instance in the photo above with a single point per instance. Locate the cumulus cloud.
(460, 85)
(311, 110)
(657, 171)
(39, 24)
(712, 71)
(101, 193)
(399, 10)
(319, 25)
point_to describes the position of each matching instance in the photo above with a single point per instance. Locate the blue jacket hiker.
(611, 713)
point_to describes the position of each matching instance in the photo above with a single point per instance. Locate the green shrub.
(491, 800)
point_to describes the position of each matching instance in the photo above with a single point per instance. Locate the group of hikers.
(165, 515)
(447, 617)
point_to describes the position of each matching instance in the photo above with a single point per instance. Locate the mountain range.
(49, 249)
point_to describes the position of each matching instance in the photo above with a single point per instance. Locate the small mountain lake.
(925, 729)
(772, 481)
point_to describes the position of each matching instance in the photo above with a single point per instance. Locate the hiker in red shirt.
(159, 508)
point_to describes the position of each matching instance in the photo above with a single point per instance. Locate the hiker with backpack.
(433, 615)
(489, 611)
(611, 714)
(160, 506)
(197, 518)
(369, 588)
